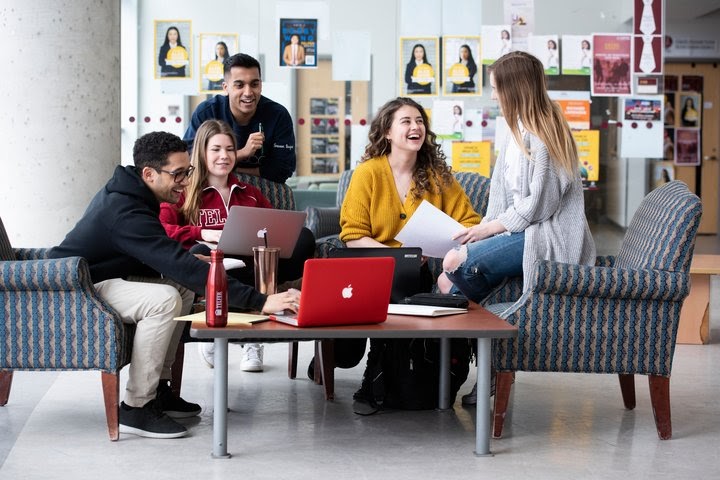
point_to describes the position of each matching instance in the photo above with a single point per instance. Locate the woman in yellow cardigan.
(402, 166)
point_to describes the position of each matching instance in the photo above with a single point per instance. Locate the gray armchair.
(619, 317)
(52, 319)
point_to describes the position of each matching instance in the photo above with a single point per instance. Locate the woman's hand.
(479, 232)
(278, 302)
(212, 236)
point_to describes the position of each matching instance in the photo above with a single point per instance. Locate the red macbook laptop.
(343, 291)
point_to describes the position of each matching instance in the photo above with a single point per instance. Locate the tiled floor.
(559, 426)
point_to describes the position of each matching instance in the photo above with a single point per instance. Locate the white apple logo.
(347, 291)
(262, 233)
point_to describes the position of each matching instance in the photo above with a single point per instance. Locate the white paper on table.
(430, 229)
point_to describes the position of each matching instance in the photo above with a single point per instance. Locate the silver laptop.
(247, 227)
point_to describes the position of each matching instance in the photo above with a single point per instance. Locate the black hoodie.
(120, 235)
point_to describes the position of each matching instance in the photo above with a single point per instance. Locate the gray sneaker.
(149, 421)
(471, 398)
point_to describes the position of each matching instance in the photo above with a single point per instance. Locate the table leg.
(444, 387)
(220, 399)
(482, 409)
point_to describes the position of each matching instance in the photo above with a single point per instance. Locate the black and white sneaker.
(149, 421)
(172, 405)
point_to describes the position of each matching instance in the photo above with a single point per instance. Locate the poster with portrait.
(520, 15)
(577, 54)
(687, 147)
(298, 43)
(173, 49)
(690, 110)
(461, 75)
(612, 59)
(448, 119)
(496, 42)
(546, 49)
(419, 62)
(215, 48)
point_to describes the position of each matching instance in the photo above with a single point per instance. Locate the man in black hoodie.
(149, 279)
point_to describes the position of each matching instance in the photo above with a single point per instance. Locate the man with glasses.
(263, 128)
(149, 279)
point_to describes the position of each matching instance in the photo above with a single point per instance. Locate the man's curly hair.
(152, 149)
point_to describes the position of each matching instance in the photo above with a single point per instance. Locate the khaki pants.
(151, 304)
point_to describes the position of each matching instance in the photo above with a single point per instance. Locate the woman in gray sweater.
(536, 209)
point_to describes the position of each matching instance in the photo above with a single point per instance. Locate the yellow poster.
(588, 145)
(471, 157)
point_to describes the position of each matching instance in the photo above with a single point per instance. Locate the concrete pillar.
(60, 120)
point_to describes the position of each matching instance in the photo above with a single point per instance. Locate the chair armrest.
(323, 221)
(605, 261)
(604, 282)
(60, 274)
(325, 245)
(31, 253)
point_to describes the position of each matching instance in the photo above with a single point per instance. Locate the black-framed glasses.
(179, 175)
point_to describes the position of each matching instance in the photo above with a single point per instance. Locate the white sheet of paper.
(430, 229)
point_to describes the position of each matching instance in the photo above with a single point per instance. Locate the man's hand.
(254, 143)
(278, 302)
(212, 236)
(204, 258)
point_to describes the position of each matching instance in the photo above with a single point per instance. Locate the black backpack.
(404, 373)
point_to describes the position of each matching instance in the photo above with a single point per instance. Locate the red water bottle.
(216, 291)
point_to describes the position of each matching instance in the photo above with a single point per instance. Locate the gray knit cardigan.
(551, 212)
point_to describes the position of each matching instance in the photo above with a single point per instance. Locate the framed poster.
(687, 147)
(690, 110)
(173, 48)
(215, 48)
(298, 42)
(418, 55)
(461, 75)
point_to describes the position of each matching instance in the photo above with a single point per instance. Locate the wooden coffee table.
(477, 323)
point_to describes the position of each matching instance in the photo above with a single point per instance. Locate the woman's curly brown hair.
(431, 169)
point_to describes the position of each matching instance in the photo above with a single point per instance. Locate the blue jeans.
(488, 263)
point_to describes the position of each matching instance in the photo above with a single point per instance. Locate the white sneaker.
(207, 353)
(252, 359)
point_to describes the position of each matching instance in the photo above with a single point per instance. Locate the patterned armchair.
(620, 316)
(52, 319)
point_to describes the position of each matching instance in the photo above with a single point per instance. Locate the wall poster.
(612, 58)
(215, 48)
(172, 47)
(420, 57)
(461, 75)
(298, 42)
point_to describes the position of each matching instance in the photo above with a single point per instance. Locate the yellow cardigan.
(372, 206)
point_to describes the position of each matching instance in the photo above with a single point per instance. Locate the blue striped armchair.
(52, 319)
(619, 317)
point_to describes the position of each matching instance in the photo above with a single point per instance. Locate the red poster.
(687, 147)
(611, 65)
(648, 54)
(648, 17)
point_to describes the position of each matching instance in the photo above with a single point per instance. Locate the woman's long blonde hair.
(520, 85)
(430, 158)
(209, 128)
